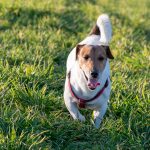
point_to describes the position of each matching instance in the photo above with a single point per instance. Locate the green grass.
(35, 38)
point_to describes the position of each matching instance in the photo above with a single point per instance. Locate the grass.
(35, 38)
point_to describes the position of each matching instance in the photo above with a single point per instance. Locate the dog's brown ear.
(108, 52)
(78, 48)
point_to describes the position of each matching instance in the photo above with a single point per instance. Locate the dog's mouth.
(91, 83)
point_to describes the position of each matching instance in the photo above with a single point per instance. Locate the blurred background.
(36, 37)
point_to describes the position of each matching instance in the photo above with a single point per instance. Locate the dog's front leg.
(98, 115)
(73, 109)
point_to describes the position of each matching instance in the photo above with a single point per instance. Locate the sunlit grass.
(35, 38)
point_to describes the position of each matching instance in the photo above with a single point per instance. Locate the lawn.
(36, 37)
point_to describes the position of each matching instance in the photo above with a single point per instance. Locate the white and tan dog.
(88, 75)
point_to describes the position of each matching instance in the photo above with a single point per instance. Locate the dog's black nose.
(94, 74)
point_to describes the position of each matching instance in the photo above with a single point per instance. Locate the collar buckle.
(81, 103)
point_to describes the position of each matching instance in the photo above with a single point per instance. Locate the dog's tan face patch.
(92, 58)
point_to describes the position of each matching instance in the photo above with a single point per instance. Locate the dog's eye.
(86, 57)
(100, 58)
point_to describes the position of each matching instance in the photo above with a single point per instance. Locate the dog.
(87, 83)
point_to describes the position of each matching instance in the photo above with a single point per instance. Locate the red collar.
(81, 102)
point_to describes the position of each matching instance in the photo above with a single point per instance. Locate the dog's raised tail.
(104, 25)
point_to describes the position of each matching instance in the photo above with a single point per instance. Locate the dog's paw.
(81, 118)
(96, 122)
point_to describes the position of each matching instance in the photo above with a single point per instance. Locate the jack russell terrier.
(88, 82)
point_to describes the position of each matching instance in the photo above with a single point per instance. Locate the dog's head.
(92, 60)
